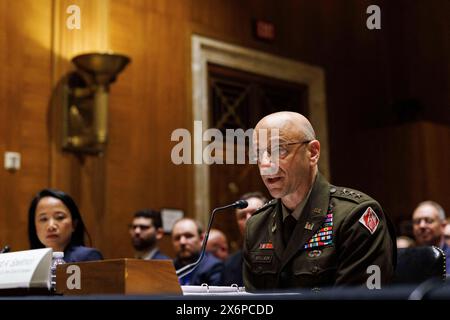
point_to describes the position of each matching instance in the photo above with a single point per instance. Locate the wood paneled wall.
(152, 97)
(25, 86)
(412, 166)
(151, 100)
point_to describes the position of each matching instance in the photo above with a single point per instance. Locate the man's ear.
(159, 233)
(202, 236)
(314, 149)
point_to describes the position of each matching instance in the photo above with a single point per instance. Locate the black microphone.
(5, 249)
(182, 272)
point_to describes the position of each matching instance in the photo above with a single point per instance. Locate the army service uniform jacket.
(341, 238)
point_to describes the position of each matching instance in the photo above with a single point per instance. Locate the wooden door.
(240, 99)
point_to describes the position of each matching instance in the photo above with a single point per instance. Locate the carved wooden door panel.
(238, 100)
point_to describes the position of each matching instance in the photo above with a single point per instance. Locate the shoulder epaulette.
(271, 203)
(348, 194)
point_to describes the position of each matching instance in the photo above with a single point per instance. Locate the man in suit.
(429, 227)
(232, 273)
(187, 238)
(312, 234)
(145, 231)
(447, 233)
(218, 244)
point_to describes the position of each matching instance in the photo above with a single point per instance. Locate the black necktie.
(288, 227)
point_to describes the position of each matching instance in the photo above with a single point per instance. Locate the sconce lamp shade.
(103, 67)
(85, 101)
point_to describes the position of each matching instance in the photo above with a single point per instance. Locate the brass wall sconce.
(85, 101)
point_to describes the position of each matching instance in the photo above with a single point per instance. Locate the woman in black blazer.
(54, 221)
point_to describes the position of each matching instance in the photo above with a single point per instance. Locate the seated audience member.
(187, 237)
(54, 221)
(447, 233)
(405, 242)
(232, 273)
(218, 244)
(145, 230)
(428, 227)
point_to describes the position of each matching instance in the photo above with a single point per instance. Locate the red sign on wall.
(264, 30)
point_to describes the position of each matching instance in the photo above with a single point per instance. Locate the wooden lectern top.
(118, 276)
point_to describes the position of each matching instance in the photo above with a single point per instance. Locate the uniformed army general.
(312, 234)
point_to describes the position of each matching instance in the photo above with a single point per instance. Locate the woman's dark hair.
(77, 236)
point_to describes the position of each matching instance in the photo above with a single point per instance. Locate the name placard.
(25, 269)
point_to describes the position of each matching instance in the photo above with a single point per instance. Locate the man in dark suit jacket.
(429, 225)
(145, 230)
(232, 273)
(187, 238)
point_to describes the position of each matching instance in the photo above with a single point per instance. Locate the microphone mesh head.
(241, 204)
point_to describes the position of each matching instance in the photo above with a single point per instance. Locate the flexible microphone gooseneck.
(182, 272)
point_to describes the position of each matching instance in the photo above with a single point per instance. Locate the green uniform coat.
(340, 257)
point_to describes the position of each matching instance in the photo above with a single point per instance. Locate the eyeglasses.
(281, 149)
(426, 220)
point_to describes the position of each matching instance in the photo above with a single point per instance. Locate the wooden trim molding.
(206, 50)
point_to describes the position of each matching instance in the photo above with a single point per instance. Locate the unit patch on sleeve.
(370, 220)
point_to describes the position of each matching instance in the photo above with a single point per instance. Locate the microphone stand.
(182, 272)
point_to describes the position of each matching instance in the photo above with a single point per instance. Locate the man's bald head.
(217, 244)
(293, 124)
(287, 151)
